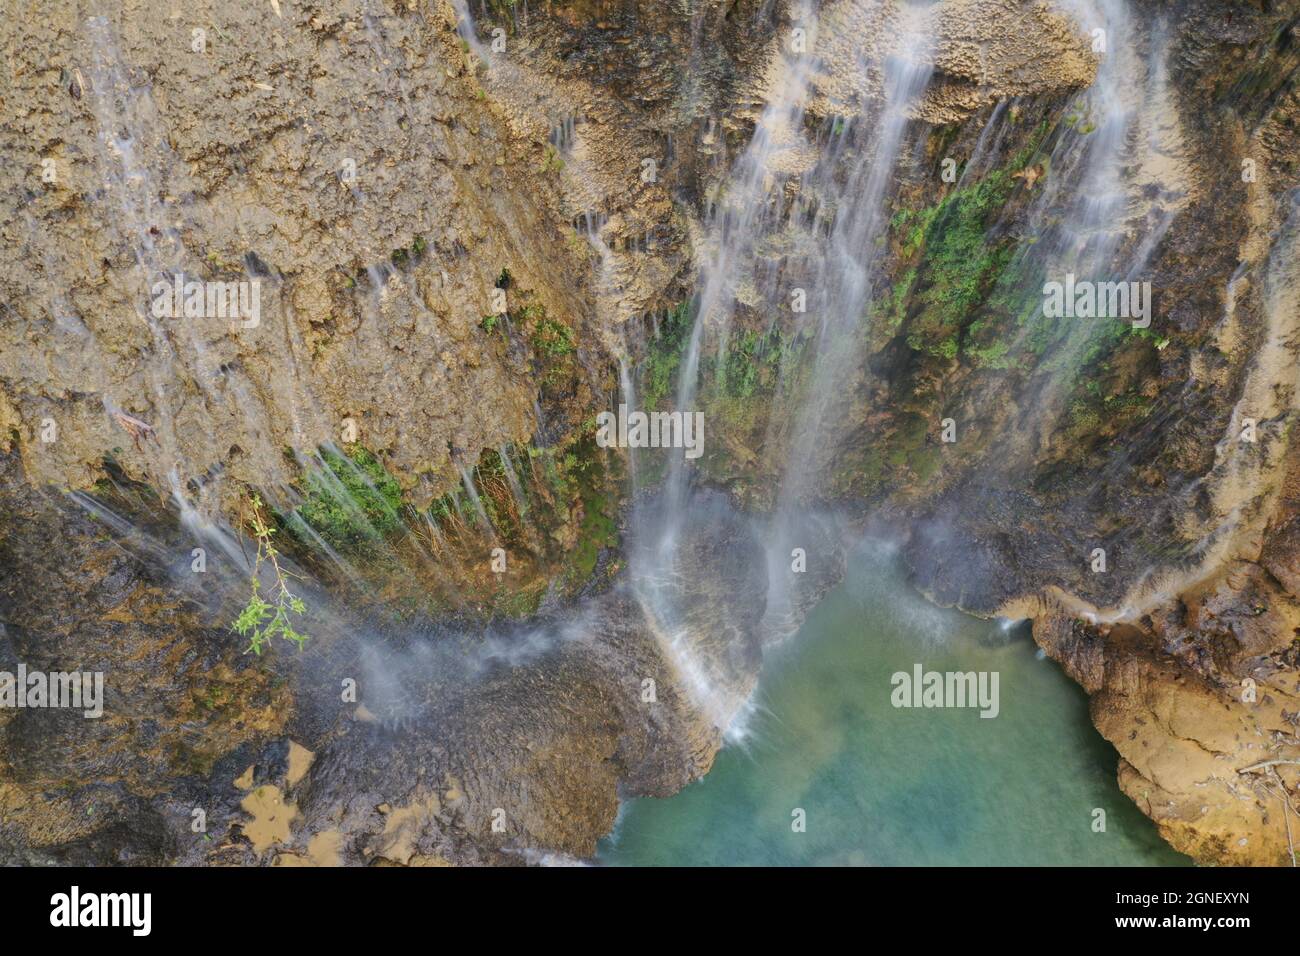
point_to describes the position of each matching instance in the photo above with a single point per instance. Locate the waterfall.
(839, 207)
(627, 392)
(467, 479)
(1115, 177)
(465, 27)
(127, 142)
(843, 269)
(512, 479)
(805, 209)
(1245, 480)
(746, 213)
(1123, 143)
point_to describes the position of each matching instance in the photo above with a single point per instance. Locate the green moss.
(891, 310)
(597, 532)
(925, 463)
(521, 603)
(862, 474)
(959, 268)
(578, 471)
(1084, 417)
(553, 342)
(551, 338)
(953, 264)
(909, 448)
(752, 363)
(1092, 416)
(352, 501)
(659, 369)
(994, 355)
(959, 263)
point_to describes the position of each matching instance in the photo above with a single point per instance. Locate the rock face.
(224, 144)
(376, 747)
(1196, 742)
(461, 228)
(1200, 694)
(977, 59)
(227, 144)
(120, 788)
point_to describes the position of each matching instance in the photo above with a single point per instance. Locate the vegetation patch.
(959, 263)
(352, 502)
(664, 356)
(752, 363)
(598, 529)
(960, 273)
(263, 620)
(551, 338)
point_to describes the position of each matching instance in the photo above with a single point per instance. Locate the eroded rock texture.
(457, 245)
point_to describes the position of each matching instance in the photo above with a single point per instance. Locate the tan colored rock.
(981, 51)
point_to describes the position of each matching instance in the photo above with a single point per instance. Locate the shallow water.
(889, 786)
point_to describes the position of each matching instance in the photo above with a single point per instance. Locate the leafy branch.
(261, 621)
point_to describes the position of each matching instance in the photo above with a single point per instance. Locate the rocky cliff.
(470, 225)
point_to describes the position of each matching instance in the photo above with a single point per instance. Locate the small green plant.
(553, 339)
(551, 160)
(659, 370)
(261, 621)
(489, 323)
(352, 502)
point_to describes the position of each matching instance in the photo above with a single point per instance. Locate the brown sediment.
(272, 816)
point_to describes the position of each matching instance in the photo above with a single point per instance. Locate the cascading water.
(1104, 185)
(737, 223)
(503, 651)
(840, 274)
(1246, 475)
(836, 267)
(127, 138)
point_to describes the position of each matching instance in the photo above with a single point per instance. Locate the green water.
(887, 786)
